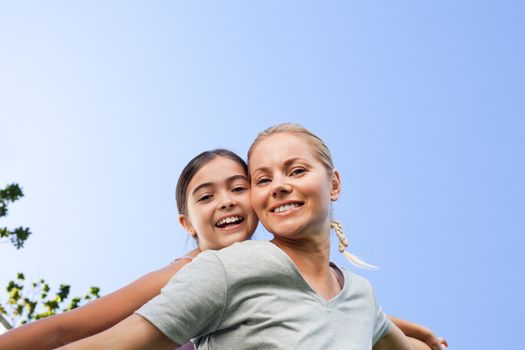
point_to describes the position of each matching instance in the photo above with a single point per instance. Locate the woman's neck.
(308, 255)
(312, 257)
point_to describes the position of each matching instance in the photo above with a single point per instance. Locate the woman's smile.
(286, 208)
(291, 189)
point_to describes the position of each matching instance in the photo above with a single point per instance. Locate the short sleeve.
(382, 324)
(193, 301)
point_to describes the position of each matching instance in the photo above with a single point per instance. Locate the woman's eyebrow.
(290, 161)
(286, 164)
(263, 169)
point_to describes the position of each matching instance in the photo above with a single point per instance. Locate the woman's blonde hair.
(325, 157)
(322, 151)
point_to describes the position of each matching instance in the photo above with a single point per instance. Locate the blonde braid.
(343, 243)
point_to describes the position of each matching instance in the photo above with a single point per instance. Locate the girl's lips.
(231, 226)
(227, 219)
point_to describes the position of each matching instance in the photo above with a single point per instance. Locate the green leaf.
(28, 301)
(94, 291)
(64, 291)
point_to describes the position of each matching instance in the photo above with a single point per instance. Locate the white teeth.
(285, 207)
(229, 220)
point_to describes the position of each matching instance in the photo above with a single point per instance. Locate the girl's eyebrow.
(201, 186)
(228, 181)
(237, 177)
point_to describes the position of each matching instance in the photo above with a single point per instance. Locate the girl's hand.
(420, 332)
(443, 342)
(435, 343)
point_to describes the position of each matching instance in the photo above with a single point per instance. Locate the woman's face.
(291, 189)
(219, 210)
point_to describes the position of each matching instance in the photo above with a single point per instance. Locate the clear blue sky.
(421, 103)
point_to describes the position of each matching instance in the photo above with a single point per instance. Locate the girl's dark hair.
(194, 166)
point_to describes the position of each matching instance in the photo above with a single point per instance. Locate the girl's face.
(291, 189)
(219, 210)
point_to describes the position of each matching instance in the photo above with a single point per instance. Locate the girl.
(103, 313)
(262, 293)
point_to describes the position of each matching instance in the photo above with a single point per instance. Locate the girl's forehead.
(221, 162)
(217, 170)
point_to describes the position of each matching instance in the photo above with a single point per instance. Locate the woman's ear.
(186, 223)
(336, 186)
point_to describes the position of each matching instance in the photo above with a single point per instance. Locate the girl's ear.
(186, 223)
(336, 186)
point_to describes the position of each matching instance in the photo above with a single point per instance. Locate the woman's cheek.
(257, 202)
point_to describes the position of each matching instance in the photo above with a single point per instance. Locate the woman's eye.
(238, 189)
(297, 171)
(262, 181)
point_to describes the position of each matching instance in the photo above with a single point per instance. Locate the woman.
(301, 229)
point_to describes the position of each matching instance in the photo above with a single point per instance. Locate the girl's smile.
(219, 208)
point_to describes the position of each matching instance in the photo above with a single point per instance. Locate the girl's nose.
(227, 203)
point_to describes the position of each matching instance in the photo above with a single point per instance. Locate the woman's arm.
(419, 332)
(393, 340)
(98, 315)
(134, 333)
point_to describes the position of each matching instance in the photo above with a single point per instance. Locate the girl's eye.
(204, 198)
(297, 171)
(239, 189)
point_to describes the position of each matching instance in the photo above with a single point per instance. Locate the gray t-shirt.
(252, 296)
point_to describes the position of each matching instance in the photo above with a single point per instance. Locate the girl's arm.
(98, 315)
(418, 344)
(394, 340)
(134, 333)
(419, 332)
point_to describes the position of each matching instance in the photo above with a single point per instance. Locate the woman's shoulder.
(238, 252)
(248, 254)
(244, 247)
(355, 281)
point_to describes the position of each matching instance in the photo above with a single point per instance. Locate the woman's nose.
(280, 187)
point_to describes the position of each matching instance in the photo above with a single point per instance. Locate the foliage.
(19, 235)
(27, 302)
